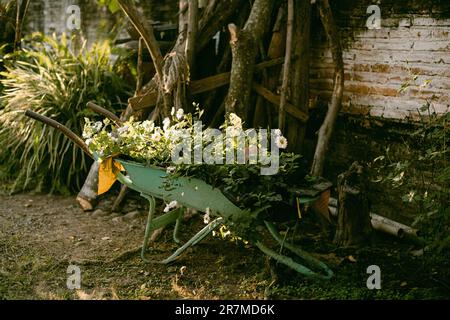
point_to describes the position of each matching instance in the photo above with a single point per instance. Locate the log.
(87, 196)
(354, 227)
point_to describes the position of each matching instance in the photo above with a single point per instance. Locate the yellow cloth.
(107, 171)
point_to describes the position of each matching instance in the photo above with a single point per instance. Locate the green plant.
(50, 78)
(425, 176)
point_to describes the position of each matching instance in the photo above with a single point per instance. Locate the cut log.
(354, 226)
(87, 197)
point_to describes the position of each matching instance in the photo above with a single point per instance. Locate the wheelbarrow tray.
(187, 191)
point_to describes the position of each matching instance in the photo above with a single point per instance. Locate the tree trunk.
(354, 226)
(328, 124)
(300, 77)
(244, 48)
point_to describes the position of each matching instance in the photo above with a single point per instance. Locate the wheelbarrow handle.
(111, 116)
(66, 131)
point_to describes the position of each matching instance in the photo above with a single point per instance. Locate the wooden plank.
(149, 99)
(275, 100)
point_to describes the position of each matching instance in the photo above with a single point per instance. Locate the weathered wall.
(50, 16)
(414, 39)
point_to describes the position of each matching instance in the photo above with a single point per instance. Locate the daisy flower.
(281, 142)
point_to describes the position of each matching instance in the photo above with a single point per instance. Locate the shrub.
(50, 78)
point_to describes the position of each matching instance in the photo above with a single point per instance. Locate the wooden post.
(354, 226)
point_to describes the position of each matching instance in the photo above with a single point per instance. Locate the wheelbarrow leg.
(148, 227)
(195, 239)
(176, 230)
(328, 273)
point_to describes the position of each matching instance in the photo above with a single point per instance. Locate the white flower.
(98, 126)
(148, 125)
(122, 130)
(207, 217)
(170, 169)
(156, 136)
(281, 142)
(88, 141)
(166, 123)
(277, 132)
(180, 113)
(235, 120)
(170, 205)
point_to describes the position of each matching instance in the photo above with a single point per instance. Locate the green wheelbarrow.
(151, 183)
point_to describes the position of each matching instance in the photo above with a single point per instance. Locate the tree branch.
(328, 124)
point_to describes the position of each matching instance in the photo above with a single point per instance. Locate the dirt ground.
(41, 235)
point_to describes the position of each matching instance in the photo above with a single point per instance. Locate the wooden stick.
(119, 199)
(108, 114)
(327, 126)
(66, 131)
(150, 98)
(140, 73)
(275, 100)
(191, 34)
(287, 65)
(146, 32)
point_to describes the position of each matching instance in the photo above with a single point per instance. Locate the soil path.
(41, 235)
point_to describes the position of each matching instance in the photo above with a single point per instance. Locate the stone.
(99, 213)
(132, 215)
